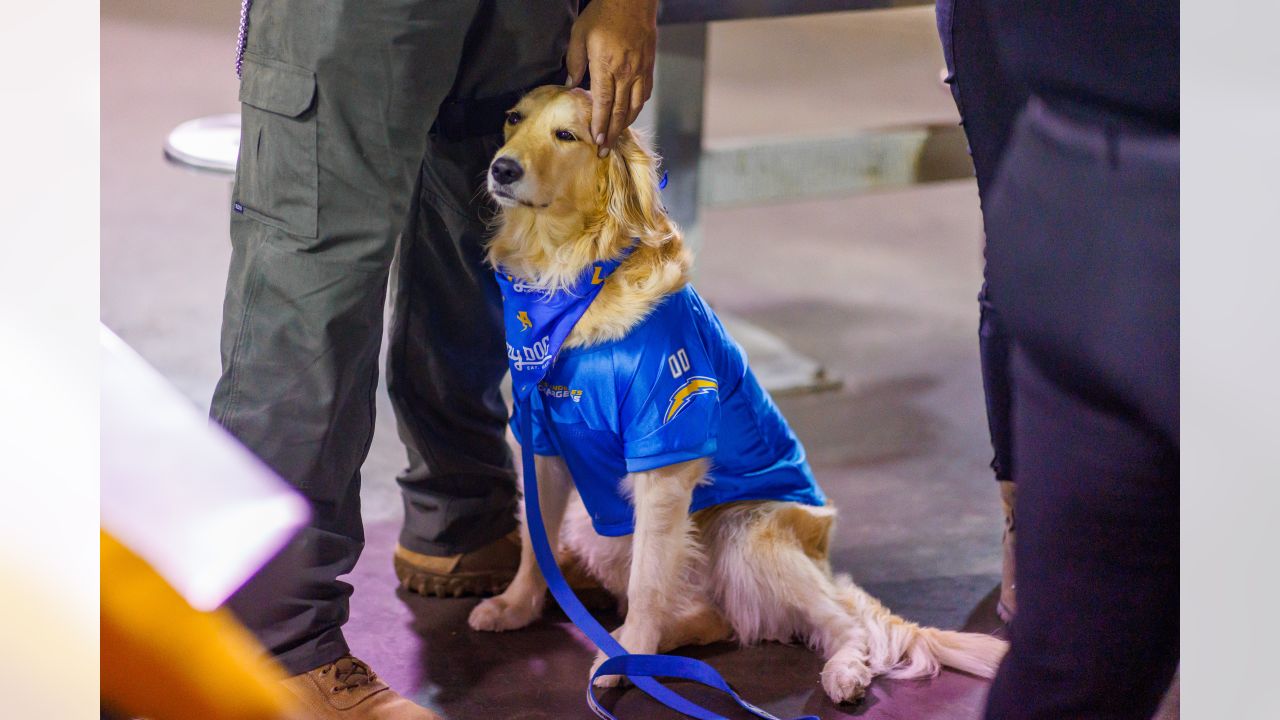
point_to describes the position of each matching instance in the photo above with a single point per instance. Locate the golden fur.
(611, 201)
(753, 571)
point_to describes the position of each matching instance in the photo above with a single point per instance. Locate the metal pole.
(680, 74)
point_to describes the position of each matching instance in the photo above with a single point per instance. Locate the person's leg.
(988, 101)
(446, 361)
(447, 356)
(1085, 227)
(1096, 634)
(337, 99)
(987, 98)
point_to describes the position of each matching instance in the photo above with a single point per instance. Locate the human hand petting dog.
(617, 40)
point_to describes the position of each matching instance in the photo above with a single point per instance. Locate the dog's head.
(549, 165)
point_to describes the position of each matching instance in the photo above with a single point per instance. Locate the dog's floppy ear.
(631, 191)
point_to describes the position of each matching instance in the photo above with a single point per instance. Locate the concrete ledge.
(781, 370)
(754, 171)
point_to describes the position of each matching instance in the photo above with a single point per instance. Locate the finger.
(638, 96)
(621, 111)
(601, 108)
(575, 58)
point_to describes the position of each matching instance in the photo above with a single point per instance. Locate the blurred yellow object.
(164, 660)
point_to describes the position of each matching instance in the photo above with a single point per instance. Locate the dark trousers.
(358, 149)
(988, 101)
(1082, 227)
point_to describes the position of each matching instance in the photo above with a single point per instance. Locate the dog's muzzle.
(505, 171)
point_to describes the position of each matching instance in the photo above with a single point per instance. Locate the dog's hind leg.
(771, 577)
(841, 637)
(902, 649)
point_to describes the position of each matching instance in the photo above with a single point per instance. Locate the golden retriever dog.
(752, 570)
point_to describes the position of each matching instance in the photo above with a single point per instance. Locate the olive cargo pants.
(365, 122)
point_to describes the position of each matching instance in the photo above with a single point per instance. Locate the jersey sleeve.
(672, 409)
(542, 442)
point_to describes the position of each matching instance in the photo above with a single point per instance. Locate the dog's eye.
(565, 135)
(514, 118)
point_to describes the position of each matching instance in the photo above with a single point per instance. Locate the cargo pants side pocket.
(277, 172)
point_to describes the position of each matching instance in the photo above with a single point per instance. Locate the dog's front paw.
(498, 613)
(845, 679)
(604, 681)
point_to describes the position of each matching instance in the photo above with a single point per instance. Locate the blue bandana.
(538, 321)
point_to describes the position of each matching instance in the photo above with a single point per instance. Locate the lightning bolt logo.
(693, 387)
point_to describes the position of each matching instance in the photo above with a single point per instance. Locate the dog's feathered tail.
(902, 649)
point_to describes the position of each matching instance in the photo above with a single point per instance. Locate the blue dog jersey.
(676, 388)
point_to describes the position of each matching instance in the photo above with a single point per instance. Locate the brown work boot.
(486, 571)
(1008, 602)
(349, 690)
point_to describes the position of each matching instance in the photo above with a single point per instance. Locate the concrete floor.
(880, 288)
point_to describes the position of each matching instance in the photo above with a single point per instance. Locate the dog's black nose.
(506, 171)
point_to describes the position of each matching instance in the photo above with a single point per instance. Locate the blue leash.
(640, 669)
